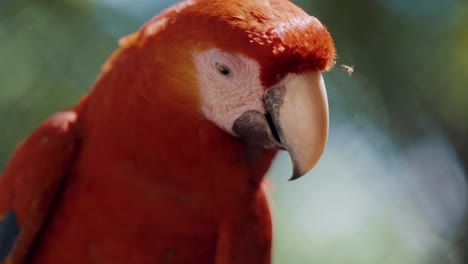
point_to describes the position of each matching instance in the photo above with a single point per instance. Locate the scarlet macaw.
(163, 161)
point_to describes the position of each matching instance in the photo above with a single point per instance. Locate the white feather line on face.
(223, 98)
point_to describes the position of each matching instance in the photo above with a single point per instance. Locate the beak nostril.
(272, 127)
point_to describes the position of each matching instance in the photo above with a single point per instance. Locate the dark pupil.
(224, 70)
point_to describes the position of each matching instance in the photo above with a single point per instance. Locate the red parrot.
(163, 161)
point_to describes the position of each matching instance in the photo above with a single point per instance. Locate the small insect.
(348, 69)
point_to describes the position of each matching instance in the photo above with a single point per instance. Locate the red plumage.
(143, 176)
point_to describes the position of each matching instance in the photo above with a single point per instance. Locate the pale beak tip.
(297, 173)
(300, 168)
(294, 177)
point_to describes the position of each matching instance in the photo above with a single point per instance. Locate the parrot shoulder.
(31, 182)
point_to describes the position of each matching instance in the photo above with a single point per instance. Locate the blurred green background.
(391, 187)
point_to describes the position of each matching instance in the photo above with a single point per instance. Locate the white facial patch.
(229, 86)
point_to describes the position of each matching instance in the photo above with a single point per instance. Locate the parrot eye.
(223, 69)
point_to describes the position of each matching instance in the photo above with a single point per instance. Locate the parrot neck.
(172, 145)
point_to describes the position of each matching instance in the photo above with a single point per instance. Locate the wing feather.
(32, 180)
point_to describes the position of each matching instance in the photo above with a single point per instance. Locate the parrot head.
(254, 67)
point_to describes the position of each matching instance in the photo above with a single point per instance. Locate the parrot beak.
(299, 114)
(296, 121)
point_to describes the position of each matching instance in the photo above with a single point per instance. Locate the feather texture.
(153, 181)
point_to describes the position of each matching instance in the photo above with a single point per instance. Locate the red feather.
(153, 180)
